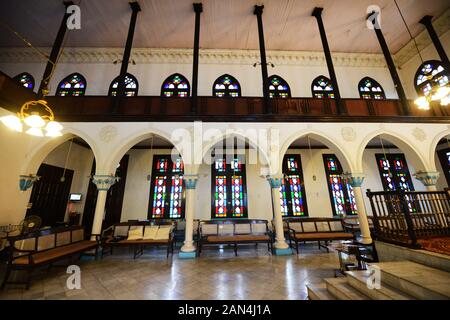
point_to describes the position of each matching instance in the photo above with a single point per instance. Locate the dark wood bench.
(138, 235)
(316, 229)
(233, 232)
(32, 250)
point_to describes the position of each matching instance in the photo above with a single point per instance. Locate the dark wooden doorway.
(50, 195)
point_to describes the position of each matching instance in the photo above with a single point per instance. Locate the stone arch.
(413, 155)
(334, 146)
(38, 155)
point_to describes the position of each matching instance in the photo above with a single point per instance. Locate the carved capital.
(104, 182)
(275, 181)
(27, 181)
(354, 179)
(427, 178)
(190, 181)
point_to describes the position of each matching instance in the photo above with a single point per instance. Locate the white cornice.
(441, 25)
(184, 56)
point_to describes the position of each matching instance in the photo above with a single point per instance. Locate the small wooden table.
(352, 256)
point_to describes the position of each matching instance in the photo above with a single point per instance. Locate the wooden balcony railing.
(405, 217)
(151, 108)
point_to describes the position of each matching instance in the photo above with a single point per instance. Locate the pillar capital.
(198, 7)
(135, 6)
(317, 12)
(190, 181)
(426, 20)
(354, 179)
(104, 182)
(275, 181)
(258, 10)
(427, 178)
(27, 181)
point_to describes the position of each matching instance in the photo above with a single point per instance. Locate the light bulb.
(34, 121)
(53, 126)
(53, 133)
(12, 122)
(441, 93)
(445, 101)
(37, 132)
(422, 103)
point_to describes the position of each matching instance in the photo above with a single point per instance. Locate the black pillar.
(43, 87)
(390, 63)
(127, 51)
(427, 22)
(326, 48)
(198, 8)
(262, 49)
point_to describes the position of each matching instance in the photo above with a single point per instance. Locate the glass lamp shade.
(12, 122)
(445, 101)
(34, 121)
(53, 126)
(441, 93)
(37, 132)
(422, 103)
(53, 133)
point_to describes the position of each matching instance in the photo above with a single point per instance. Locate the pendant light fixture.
(437, 93)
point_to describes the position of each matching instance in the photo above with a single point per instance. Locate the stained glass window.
(175, 85)
(73, 85)
(229, 188)
(167, 188)
(444, 158)
(431, 74)
(25, 79)
(369, 89)
(278, 88)
(341, 193)
(130, 83)
(394, 172)
(322, 88)
(226, 86)
(292, 190)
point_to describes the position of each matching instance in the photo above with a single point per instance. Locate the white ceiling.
(226, 24)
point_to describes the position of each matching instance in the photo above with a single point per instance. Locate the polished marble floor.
(217, 274)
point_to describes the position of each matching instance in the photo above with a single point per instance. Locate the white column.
(356, 180)
(190, 181)
(103, 183)
(275, 184)
(429, 179)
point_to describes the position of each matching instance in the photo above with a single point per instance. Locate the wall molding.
(184, 56)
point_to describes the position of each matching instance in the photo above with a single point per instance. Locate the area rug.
(437, 245)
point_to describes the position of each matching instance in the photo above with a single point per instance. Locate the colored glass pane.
(226, 86)
(369, 89)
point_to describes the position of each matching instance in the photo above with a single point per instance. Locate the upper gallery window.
(431, 74)
(369, 89)
(322, 88)
(131, 86)
(226, 86)
(73, 85)
(278, 88)
(175, 85)
(25, 79)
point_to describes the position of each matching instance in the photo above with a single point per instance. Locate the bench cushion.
(324, 236)
(141, 241)
(45, 256)
(240, 238)
(135, 233)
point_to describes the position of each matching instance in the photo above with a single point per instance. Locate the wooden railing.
(404, 217)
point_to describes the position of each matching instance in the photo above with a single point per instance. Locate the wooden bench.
(32, 250)
(137, 235)
(233, 232)
(316, 229)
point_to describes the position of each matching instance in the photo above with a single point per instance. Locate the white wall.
(80, 161)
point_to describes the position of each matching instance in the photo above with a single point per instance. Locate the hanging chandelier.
(36, 118)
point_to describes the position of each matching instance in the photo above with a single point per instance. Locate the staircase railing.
(404, 217)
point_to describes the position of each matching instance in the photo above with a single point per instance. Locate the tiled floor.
(254, 274)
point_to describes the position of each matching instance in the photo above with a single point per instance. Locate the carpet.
(438, 245)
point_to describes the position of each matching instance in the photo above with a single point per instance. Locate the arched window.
(73, 85)
(369, 89)
(278, 88)
(322, 88)
(175, 85)
(25, 79)
(431, 75)
(226, 86)
(131, 86)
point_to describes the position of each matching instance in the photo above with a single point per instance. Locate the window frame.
(326, 94)
(116, 79)
(442, 155)
(276, 92)
(432, 81)
(227, 92)
(298, 172)
(72, 89)
(371, 93)
(18, 77)
(395, 178)
(176, 91)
